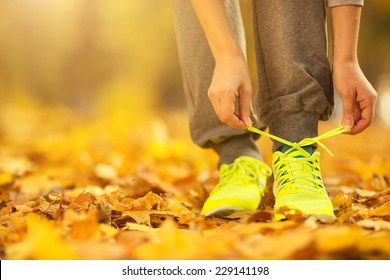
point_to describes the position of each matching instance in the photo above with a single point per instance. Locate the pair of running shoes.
(298, 184)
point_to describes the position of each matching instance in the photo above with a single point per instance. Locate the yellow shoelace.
(304, 142)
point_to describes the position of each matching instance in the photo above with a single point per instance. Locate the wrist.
(346, 58)
(229, 52)
(345, 61)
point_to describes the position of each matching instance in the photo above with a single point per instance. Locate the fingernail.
(347, 125)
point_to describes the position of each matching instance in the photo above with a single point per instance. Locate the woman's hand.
(231, 80)
(231, 83)
(357, 94)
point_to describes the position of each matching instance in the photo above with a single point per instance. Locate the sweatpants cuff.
(293, 126)
(235, 146)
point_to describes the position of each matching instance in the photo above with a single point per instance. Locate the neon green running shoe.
(298, 184)
(241, 187)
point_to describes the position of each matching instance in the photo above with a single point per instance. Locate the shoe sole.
(221, 212)
(323, 218)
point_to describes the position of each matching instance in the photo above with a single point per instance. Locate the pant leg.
(197, 65)
(295, 81)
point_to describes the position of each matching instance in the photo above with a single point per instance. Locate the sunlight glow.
(384, 106)
(384, 99)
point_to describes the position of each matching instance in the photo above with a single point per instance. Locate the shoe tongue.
(308, 149)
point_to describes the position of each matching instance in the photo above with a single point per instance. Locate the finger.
(348, 100)
(366, 115)
(245, 105)
(227, 111)
(224, 107)
(233, 121)
(360, 121)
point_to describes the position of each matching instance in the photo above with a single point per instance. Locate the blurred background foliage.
(82, 53)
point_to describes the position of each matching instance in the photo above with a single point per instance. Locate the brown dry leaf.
(261, 228)
(143, 216)
(154, 181)
(135, 185)
(261, 216)
(343, 207)
(148, 202)
(241, 216)
(291, 214)
(84, 201)
(341, 201)
(377, 183)
(374, 200)
(139, 227)
(114, 200)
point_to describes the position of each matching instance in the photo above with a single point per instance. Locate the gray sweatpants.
(295, 87)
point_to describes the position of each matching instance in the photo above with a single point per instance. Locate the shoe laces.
(293, 166)
(304, 142)
(296, 164)
(243, 171)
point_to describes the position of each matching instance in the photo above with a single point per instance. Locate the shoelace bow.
(304, 142)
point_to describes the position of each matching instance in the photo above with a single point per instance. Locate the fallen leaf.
(261, 216)
(6, 178)
(86, 228)
(43, 241)
(339, 238)
(143, 216)
(139, 227)
(383, 210)
(376, 225)
(105, 171)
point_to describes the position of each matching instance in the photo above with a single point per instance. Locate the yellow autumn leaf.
(169, 242)
(383, 210)
(108, 231)
(85, 229)
(288, 245)
(5, 178)
(43, 241)
(338, 238)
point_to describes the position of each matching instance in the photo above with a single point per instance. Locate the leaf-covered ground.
(119, 185)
